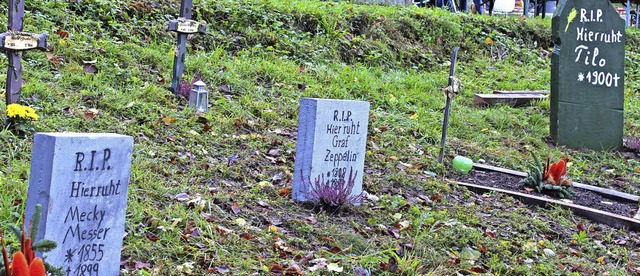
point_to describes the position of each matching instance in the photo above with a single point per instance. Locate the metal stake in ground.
(183, 26)
(13, 42)
(452, 89)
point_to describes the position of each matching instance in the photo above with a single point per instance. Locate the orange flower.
(27, 251)
(36, 268)
(19, 265)
(556, 171)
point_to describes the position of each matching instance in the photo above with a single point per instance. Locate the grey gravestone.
(587, 75)
(183, 26)
(13, 42)
(332, 137)
(81, 181)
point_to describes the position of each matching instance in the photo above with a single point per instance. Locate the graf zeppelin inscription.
(332, 136)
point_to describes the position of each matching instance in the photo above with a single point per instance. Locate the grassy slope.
(270, 54)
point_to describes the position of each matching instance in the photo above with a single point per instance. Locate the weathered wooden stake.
(183, 26)
(449, 92)
(13, 42)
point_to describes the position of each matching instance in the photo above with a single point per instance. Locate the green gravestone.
(587, 75)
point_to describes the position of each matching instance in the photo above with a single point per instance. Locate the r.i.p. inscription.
(587, 75)
(81, 180)
(332, 136)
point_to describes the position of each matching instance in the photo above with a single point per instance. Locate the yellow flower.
(24, 112)
(32, 116)
(13, 110)
(31, 113)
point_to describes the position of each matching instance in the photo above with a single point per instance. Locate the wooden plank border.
(613, 220)
(609, 192)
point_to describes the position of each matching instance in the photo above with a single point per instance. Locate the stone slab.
(332, 137)
(81, 181)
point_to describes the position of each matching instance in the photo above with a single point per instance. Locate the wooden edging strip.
(607, 218)
(630, 197)
(521, 92)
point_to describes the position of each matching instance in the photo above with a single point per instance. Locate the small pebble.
(549, 252)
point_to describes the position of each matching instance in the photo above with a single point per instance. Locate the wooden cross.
(13, 42)
(451, 90)
(183, 26)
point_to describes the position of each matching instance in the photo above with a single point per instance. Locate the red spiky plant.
(550, 177)
(24, 261)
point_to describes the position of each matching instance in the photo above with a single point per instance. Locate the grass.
(269, 54)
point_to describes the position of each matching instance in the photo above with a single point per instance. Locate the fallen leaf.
(235, 208)
(275, 268)
(152, 236)
(274, 229)
(223, 230)
(602, 261)
(469, 254)
(53, 59)
(394, 232)
(581, 227)
(90, 68)
(222, 269)
(293, 269)
(169, 120)
(231, 159)
(247, 236)
(241, 222)
(478, 269)
(334, 267)
(181, 197)
(361, 271)
(88, 116)
(284, 192)
(490, 234)
(62, 33)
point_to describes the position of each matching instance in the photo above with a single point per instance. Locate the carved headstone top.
(587, 75)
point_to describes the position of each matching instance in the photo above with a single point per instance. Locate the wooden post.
(183, 26)
(13, 42)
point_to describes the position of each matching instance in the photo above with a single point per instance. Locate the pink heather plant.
(185, 87)
(334, 194)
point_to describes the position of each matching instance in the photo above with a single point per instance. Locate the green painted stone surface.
(587, 75)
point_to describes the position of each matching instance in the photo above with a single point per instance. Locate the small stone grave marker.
(13, 42)
(332, 137)
(183, 26)
(81, 181)
(587, 75)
